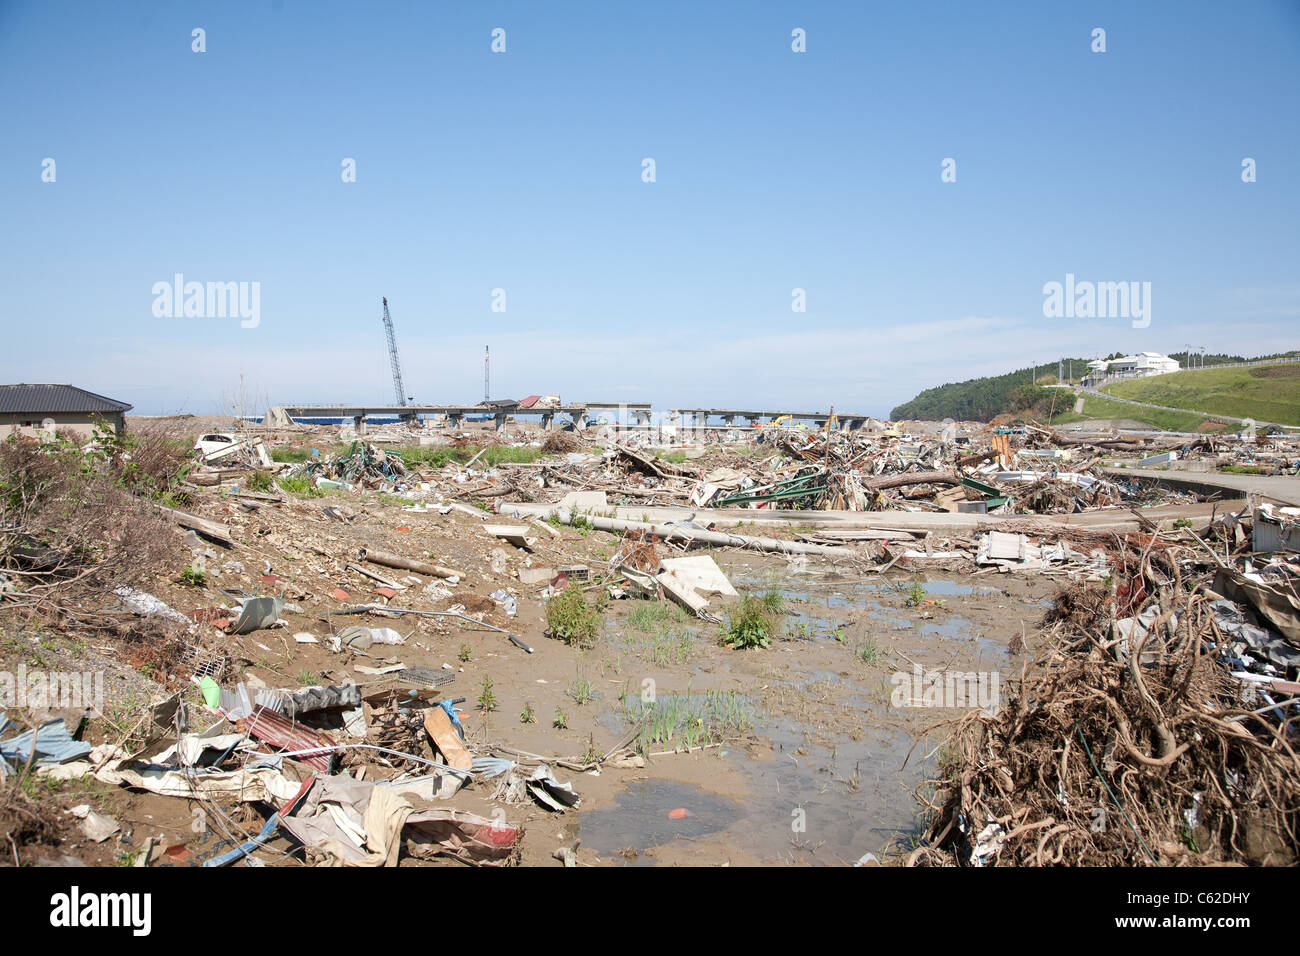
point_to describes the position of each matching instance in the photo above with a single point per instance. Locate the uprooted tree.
(1119, 752)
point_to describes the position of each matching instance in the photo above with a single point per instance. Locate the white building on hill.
(1141, 365)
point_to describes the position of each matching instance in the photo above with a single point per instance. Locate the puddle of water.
(840, 797)
(846, 802)
(640, 818)
(836, 800)
(841, 594)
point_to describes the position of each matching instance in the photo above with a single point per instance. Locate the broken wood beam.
(210, 529)
(390, 560)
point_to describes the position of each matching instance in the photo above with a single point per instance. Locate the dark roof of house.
(52, 399)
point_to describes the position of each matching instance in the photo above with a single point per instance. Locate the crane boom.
(392, 356)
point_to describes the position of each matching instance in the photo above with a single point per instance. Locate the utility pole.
(487, 357)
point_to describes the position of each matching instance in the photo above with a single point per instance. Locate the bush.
(259, 481)
(76, 517)
(750, 623)
(571, 618)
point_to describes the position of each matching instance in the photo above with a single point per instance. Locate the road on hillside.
(1169, 408)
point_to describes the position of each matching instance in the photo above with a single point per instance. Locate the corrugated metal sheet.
(53, 399)
(269, 727)
(54, 745)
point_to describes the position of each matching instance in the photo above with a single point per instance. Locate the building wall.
(80, 427)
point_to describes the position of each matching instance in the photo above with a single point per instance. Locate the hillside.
(1266, 393)
(1110, 409)
(980, 399)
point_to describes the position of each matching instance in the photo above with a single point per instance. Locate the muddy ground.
(812, 763)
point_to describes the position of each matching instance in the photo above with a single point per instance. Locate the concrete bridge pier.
(548, 421)
(454, 419)
(359, 424)
(498, 421)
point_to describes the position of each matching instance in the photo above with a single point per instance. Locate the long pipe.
(672, 532)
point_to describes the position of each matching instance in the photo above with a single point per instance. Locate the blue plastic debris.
(54, 745)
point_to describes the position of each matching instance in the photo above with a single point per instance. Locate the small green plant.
(487, 700)
(591, 754)
(561, 721)
(300, 486)
(1183, 523)
(750, 624)
(800, 630)
(308, 678)
(582, 691)
(571, 618)
(526, 716)
(915, 594)
(259, 481)
(581, 524)
(466, 652)
(194, 576)
(655, 617)
(690, 720)
(867, 652)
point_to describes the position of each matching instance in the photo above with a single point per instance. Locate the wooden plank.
(440, 730)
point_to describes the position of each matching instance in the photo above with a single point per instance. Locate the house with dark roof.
(41, 410)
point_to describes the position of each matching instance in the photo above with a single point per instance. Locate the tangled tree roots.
(1113, 756)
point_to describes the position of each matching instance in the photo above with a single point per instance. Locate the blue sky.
(522, 170)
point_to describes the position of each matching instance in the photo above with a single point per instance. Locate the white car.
(216, 442)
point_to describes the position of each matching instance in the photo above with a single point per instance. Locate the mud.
(813, 768)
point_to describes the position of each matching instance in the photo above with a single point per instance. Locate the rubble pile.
(362, 464)
(1159, 690)
(1152, 726)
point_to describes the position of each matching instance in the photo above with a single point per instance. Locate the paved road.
(1279, 487)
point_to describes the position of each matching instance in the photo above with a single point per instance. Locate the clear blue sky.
(522, 171)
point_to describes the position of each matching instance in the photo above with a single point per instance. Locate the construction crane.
(392, 356)
(487, 355)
